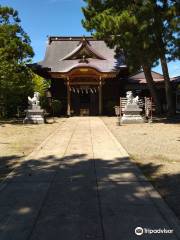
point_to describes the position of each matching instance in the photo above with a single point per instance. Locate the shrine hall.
(87, 76)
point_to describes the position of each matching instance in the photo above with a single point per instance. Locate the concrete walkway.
(79, 184)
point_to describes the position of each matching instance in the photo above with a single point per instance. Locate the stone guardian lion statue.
(34, 101)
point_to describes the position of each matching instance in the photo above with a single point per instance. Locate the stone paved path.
(79, 184)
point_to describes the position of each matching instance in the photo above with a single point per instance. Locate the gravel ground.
(155, 148)
(18, 140)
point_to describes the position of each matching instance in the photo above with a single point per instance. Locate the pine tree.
(165, 15)
(139, 27)
(15, 53)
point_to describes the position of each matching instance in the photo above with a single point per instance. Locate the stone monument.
(132, 111)
(34, 113)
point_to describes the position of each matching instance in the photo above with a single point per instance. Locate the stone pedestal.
(132, 114)
(34, 115)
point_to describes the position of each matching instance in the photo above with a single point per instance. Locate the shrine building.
(87, 76)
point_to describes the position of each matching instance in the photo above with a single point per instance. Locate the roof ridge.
(69, 38)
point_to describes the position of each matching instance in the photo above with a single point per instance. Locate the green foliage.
(15, 52)
(15, 86)
(145, 29)
(40, 84)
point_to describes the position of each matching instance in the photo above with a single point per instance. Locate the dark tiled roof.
(140, 77)
(58, 49)
(176, 79)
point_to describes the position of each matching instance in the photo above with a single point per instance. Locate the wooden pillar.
(68, 98)
(100, 96)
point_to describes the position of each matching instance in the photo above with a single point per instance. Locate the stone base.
(132, 114)
(132, 119)
(34, 116)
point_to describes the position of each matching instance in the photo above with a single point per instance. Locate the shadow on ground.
(166, 185)
(76, 198)
(167, 120)
(7, 164)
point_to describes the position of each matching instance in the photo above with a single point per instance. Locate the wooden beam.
(76, 73)
(84, 83)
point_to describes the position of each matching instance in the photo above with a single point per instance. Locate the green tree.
(15, 52)
(144, 29)
(165, 25)
(40, 84)
(116, 22)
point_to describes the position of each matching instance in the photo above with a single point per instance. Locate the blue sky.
(41, 18)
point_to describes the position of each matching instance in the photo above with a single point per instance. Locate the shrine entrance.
(84, 101)
(84, 86)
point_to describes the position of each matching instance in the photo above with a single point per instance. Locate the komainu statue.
(132, 110)
(34, 101)
(131, 99)
(34, 113)
(129, 96)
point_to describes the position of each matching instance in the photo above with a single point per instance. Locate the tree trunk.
(152, 87)
(168, 88)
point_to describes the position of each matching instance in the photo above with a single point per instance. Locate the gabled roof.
(62, 55)
(140, 77)
(84, 47)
